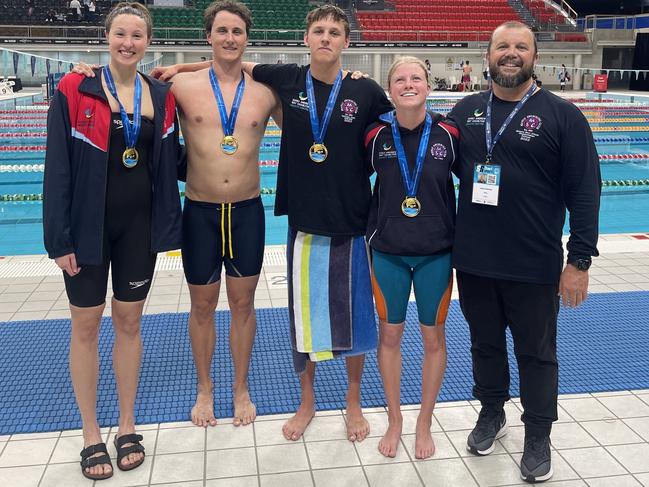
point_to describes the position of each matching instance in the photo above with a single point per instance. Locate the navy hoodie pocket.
(421, 235)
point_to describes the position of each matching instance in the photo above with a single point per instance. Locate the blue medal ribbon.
(411, 180)
(131, 129)
(227, 122)
(492, 143)
(319, 129)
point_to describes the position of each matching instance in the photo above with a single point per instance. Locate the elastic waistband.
(218, 206)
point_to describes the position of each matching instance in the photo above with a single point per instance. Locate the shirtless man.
(223, 217)
(466, 75)
(222, 195)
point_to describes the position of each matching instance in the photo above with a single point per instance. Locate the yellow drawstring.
(229, 230)
(223, 229)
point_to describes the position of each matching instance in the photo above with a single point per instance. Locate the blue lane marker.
(602, 346)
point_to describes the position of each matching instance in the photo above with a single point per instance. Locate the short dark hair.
(514, 24)
(327, 11)
(232, 6)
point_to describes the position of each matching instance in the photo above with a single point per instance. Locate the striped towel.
(330, 297)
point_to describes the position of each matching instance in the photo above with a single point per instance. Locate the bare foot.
(101, 469)
(295, 427)
(390, 441)
(424, 445)
(357, 426)
(245, 411)
(203, 410)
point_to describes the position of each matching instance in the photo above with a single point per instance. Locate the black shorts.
(217, 234)
(128, 254)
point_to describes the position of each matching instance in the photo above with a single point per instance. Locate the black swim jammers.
(217, 234)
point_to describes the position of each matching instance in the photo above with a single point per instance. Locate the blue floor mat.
(602, 346)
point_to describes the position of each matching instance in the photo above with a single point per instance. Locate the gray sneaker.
(536, 464)
(491, 425)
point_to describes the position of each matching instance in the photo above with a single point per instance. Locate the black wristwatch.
(581, 263)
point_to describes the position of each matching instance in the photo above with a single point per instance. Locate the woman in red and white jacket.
(111, 201)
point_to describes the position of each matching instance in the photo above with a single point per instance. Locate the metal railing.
(616, 22)
(553, 12)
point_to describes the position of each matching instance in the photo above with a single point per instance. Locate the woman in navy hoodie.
(410, 233)
(111, 201)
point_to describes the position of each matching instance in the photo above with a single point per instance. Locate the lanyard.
(319, 129)
(491, 143)
(131, 129)
(227, 122)
(411, 181)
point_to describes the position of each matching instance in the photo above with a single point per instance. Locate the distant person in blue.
(526, 156)
(410, 233)
(111, 202)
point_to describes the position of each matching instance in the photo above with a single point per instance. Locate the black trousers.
(530, 310)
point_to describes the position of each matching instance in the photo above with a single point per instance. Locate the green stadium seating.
(267, 15)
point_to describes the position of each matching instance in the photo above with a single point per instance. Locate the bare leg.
(202, 334)
(127, 357)
(389, 356)
(84, 371)
(241, 297)
(294, 428)
(433, 368)
(357, 426)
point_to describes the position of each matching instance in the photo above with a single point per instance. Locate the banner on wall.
(253, 43)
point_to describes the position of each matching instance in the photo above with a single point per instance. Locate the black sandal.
(88, 461)
(124, 451)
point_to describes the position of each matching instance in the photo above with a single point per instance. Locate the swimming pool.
(620, 128)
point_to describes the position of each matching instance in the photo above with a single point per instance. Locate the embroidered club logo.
(531, 122)
(349, 109)
(438, 151)
(386, 146)
(530, 128)
(478, 113)
(302, 97)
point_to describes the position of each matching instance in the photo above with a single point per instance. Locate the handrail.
(621, 22)
(566, 6)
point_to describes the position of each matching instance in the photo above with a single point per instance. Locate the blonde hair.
(130, 8)
(407, 60)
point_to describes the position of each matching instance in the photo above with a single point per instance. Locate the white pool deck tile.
(601, 439)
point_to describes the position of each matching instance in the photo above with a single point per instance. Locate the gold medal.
(411, 207)
(130, 157)
(318, 152)
(229, 145)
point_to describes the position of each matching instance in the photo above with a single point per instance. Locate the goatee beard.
(511, 81)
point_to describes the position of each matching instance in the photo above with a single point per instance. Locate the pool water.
(621, 132)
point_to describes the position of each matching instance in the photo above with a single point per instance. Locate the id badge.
(486, 183)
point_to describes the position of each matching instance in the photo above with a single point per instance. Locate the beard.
(510, 81)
